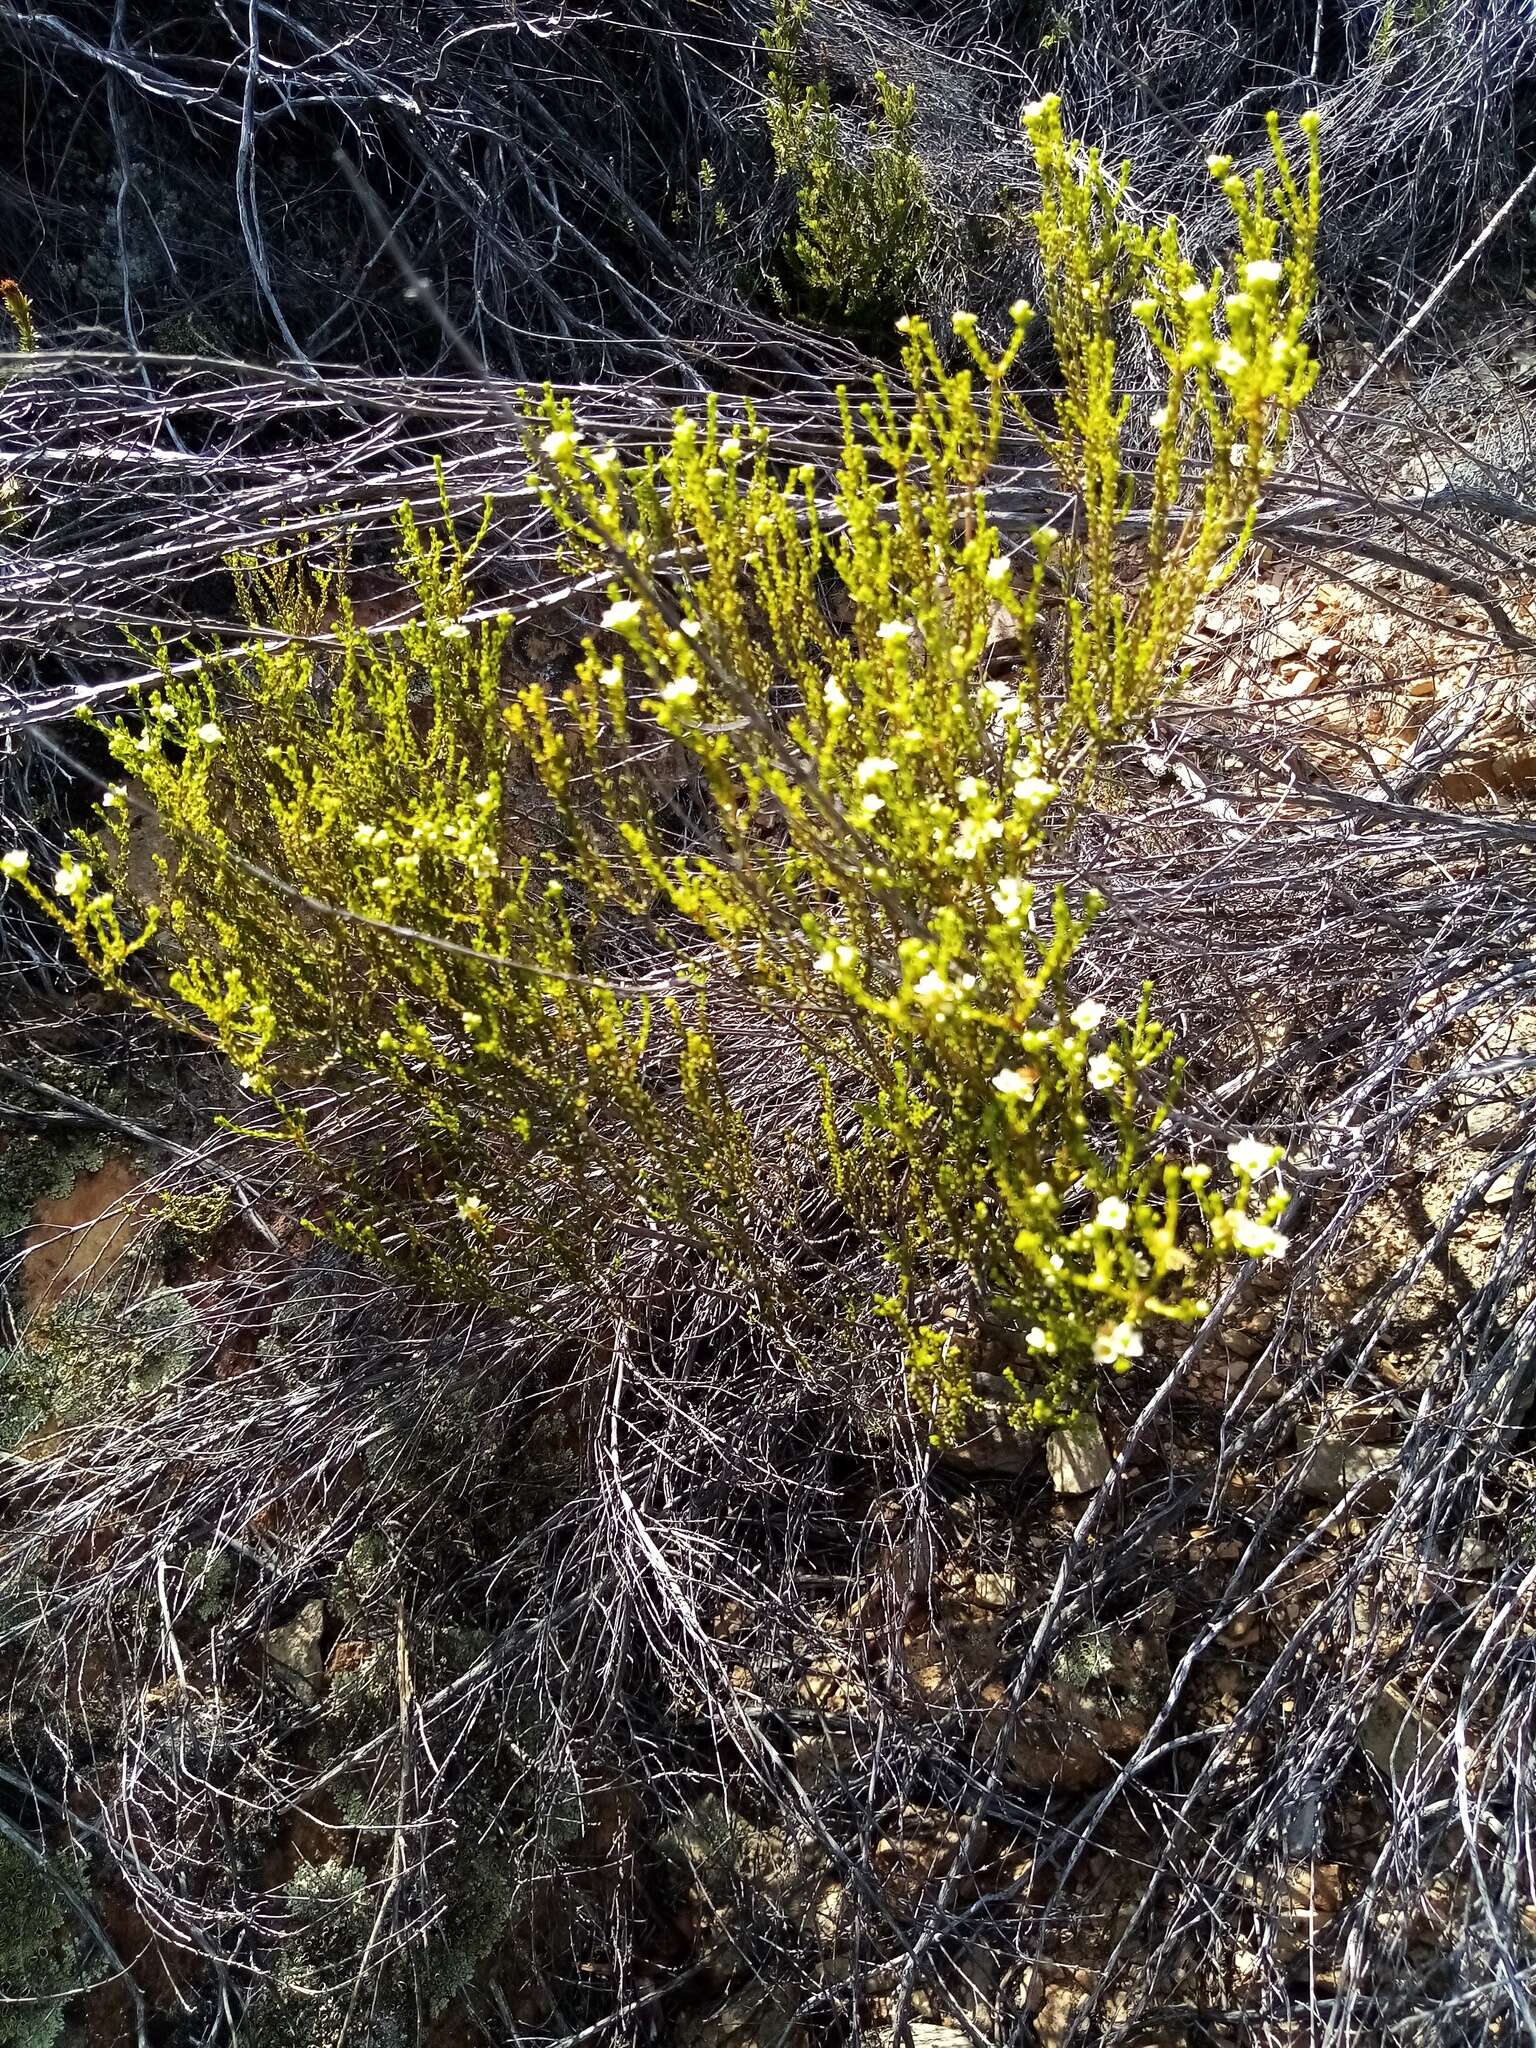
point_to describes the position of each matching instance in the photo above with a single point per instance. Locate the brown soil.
(77, 1240)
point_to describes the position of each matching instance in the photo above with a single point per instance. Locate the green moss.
(35, 1168)
(38, 1959)
(88, 1353)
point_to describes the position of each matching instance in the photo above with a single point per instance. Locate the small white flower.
(471, 1208)
(1158, 418)
(1088, 1015)
(1117, 1345)
(1230, 361)
(963, 322)
(604, 460)
(1257, 1239)
(369, 835)
(872, 768)
(1112, 1213)
(1033, 791)
(834, 957)
(1264, 271)
(1011, 897)
(15, 863)
(972, 835)
(680, 689)
(932, 988)
(893, 629)
(484, 798)
(1252, 1156)
(210, 734)
(115, 798)
(730, 447)
(1192, 294)
(1015, 1083)
(689, 628)
(622, 613)
(453, 629)
(1037, 1340)
(1103, 1071)
(834, 696)
(71, 879)
(166, 713)
(1019, 311)
(559, 443)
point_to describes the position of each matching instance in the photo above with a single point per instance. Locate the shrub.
(384, 873)
(19, 307)
(863, 225)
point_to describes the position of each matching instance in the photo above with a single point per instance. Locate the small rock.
(1500, 1191)
(1323, 650)
(1293, 681)
(1285, 637)
(1243, 1343)
(1300, 1905)
(1077, 1457)
(762, 2018)
(1058, 2012)
(933, 2034)
(830, 1912)
(1334, 1466)
(294, 1653)
(1487, 1123)
(1394, 1734)
(992, 1448)
(995, 1589)
(1002, 639)
(1477, 1556)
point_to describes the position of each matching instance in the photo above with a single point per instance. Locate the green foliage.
(189, 1217)
(385, 873)
(309, 2001)
(86, 1354)
(863, 225)
(38, 1959)
(34, 1168)
(19, 308)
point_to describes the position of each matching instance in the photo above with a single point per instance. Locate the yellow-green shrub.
(385, 874)
(863, 223)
